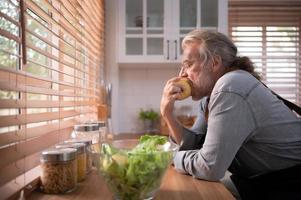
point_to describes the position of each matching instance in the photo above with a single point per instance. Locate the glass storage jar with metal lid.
(87, 143)
(59, 170)
(81, 158)
(87, 131)
(102, 127)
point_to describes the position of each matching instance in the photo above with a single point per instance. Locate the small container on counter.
(81, 158)
(87, 143)
(103, 131)
(87, 131)
(59, 170)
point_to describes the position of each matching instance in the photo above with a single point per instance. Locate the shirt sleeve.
(193, 138)
(200, 125)
(229, 124)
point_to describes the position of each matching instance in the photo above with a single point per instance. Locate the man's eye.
(187, 65)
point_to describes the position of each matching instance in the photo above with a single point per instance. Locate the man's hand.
(171, 92)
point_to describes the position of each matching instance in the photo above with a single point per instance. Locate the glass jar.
(102, 128)
(81, 158)
(87, 143)
(87, 131)
(59, 170)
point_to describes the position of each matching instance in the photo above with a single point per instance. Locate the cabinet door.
(188, 20)
(142, 31)
(155, 27)
(133, 32)
(199, 14)
(151, 31)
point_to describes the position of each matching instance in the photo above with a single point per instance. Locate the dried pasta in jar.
(81, 158)
(59, 170)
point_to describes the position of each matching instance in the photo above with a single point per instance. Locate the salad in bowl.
(133, 169)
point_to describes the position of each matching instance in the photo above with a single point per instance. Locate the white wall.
(110, 37)
(133, 87)
(111, 66)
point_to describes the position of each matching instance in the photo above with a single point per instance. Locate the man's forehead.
(191, 53)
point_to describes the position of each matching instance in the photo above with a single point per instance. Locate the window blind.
(51, 66)
(269, 33)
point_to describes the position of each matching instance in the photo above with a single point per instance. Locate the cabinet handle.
(167, 49)
(176, 49)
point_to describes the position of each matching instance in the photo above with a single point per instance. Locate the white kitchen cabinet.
(167, 21)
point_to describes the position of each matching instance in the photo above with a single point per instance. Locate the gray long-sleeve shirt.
(246, 122)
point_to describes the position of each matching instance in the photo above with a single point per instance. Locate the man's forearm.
(176, 130)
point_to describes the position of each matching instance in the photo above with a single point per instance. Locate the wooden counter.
(175, 186)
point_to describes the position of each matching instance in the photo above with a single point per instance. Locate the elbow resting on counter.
(191, 162)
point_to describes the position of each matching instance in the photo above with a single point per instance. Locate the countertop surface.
(174, 186)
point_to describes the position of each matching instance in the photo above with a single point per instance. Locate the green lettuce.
(135, 174)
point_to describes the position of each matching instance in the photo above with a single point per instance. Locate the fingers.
(175, 89)
(171, 93)
(172, 90)
(173, 80)
(176, 96)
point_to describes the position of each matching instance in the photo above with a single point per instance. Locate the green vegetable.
(148, 115)
(135, 173)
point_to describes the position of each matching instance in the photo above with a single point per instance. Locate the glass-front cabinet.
(151, 31)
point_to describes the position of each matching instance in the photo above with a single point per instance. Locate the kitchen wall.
(134, 86)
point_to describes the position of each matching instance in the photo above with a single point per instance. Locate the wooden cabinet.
(151, 31)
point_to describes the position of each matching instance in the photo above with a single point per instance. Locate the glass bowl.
(131, 170)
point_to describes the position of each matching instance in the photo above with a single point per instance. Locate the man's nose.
(183, 72)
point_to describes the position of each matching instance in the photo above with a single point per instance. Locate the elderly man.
(242, 126)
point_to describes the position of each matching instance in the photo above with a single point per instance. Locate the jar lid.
(86, 127)
(80, 147)
(87, 141)
(99, 123)
(64, 154)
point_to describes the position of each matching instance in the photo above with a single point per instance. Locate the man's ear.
(217, 63)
